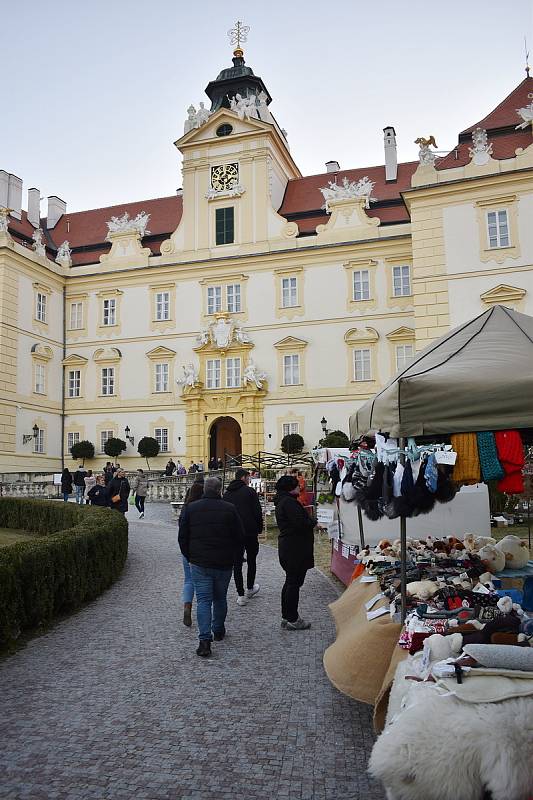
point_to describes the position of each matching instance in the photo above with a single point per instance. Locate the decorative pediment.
(402, 334)
(107, 354)
(74, 360)
(361, 335)
(160, 353)
(42, 351)
(223, 116)
(291, 343)
(503, 294)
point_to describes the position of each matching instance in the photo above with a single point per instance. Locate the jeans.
(66, 496)
(139, 503)
(79, 494)
(290, 594)
(211, 587)
(187, 595)
(251, 547)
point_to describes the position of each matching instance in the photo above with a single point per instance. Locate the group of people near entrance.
(109, 488)
(216, 533)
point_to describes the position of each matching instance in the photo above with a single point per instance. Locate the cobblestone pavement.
(114, 703)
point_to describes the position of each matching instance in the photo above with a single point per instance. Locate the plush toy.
(515, 551)
(492, 558)
(468, 541)
(424, 590)
(442, 647)
(481, 541)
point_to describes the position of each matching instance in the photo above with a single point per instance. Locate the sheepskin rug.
(435, 747)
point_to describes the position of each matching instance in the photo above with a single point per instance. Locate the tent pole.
(361, 532)
(403, 547)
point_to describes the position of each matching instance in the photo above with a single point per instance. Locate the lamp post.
(324, 424)
(27, 437)
(131, 439)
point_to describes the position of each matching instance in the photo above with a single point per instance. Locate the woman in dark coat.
(66, 484)
(98, 495)
(295, 549)
(119, 487)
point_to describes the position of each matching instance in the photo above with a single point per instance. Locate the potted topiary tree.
(82, 450)
(292, 443)
(148, 447)
(114, 447)
(335, 439)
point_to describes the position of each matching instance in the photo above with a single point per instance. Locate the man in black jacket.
(246, 501)
(79, 483)
(211, 537)
(295, 549)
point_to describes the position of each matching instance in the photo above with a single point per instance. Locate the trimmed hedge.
(81, 553)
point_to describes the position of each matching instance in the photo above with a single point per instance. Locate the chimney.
(332, 166)
(34, 207)
(56, 209)
(14, 195)
(391, 155)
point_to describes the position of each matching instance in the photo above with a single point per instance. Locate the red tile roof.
(504, 145)
(504, 115)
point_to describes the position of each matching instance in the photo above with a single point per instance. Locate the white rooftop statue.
(348, 190)
(195, 119)
(4, 219)
(125, 224)
(526, 113)
(38, 244)
(481, 150)
(64, 254)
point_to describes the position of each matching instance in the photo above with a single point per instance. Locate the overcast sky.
(95, 93)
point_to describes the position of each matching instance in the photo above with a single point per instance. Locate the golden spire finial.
(237, 35)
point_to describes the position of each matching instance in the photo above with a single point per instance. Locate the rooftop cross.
(238, 35)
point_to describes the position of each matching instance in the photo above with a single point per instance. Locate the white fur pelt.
(438, 748)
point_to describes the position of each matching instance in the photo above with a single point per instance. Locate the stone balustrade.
(24, 489)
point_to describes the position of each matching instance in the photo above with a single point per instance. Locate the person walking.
(211, 537)
(187, 596)
(170, 468)
(97, 496)
(90, 481)
(108, 472)
(140, 489)
(79, 483)
(118, 491)
(66, 484)
(295, 549)
(240, 494)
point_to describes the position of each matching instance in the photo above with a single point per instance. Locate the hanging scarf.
(467, 469)
(491, 469)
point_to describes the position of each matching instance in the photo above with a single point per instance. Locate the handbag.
(116, 497)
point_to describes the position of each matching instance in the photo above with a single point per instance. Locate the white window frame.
(39, 442)
(73, 437)
(289, 428)
(74, 383)
(162, 377)
(362, 364)
(213, 371)
(289, 292)
(291, 369)
(233, 373)
(40, 378)
(498, 219)
(76, 315)
(162, 306)
(214, 299)
(401, 281)
(104, 436)
(161, 435)
(108, 381)
(402, 357)
(233, 298)
(109, 313)
(40, 306)
(361, 285)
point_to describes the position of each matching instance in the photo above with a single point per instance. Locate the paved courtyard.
(114, 703)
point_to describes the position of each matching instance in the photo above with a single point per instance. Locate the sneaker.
(219, 635)
(242, 600)
(251, 592)
(141, 515)
(299, 625)
(187, 614)
(204, 648)
(283, 623)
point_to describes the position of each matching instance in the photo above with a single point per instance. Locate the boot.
(204, 648)
(187, 614)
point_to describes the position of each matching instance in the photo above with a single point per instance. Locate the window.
(404, 355)
(224, 225)
(110, 311)
(289, 292)
(401, 281)
(38, 442)
(223, 130)
(291, 370)
(161, 436)
(162, 305)
(74, 382)
(214, 299)
(76, 315)
(40, 378)
(108, 380)
(362, 370)
(72, 439)
(233, 298)
(104, 436)
(40, 307)
(233, 372)
(290, 427)
(361, 285)
(161, 377)
(213, 373)
(498, 228)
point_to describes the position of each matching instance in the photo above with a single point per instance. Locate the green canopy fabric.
(477, 377)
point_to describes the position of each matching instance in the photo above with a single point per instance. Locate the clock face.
(224, 177)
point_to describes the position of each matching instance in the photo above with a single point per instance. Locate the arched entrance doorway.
(224, 436)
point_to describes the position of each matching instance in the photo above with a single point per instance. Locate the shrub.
(292, 443)
(114, 447)
(82, 552)
(335, 439)
(148, 447)
(82, 450)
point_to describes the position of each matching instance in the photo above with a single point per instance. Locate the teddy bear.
(492, 557)
(442, 647)
(424, 590)
(515, 552)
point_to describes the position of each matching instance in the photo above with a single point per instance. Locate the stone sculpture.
(253, 375)
(190, 375)
(425, 155)
(64, 254)
(195, 119)
(526, 114)
(481, 150)
(349, 190)
(125, 224)
(4, 219)
(38, 244)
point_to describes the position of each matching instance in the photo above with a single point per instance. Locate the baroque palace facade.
(255, 301)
